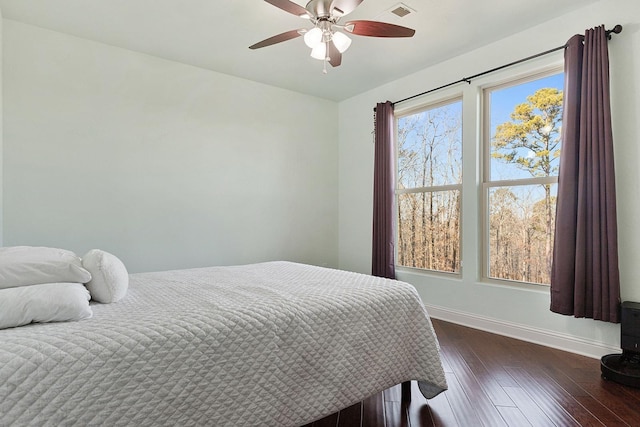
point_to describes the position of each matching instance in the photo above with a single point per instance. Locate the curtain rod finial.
(615, 30)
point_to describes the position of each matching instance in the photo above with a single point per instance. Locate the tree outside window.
(525, 122)
(429, 165)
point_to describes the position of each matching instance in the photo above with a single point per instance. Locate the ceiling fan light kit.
(313, 37)
(319, 52)
(326, 42)
(341, 41)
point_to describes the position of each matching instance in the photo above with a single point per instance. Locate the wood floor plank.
(395, 415)
(613, 398)
(496, 380)
(560, 376)
(373, 411)
(553, 370)
(441, 411)
(485, 378)
(630, 394)
(489, 348)
(486, 411)
(550, 403)
(330, 421)
(462, 407)
(556, 393)
(532, 412)
(513, 416)
(393, 394)
(418, 410)
(602, 413)
(420, 416)
(351, 416)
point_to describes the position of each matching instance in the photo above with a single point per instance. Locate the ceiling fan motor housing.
(322, 8)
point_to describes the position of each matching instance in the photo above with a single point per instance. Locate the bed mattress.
(276, 343)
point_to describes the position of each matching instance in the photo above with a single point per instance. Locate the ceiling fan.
(326, 42)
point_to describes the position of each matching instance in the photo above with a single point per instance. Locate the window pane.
(521, 228)
(525, 123)
(429, 230)
(430, 147)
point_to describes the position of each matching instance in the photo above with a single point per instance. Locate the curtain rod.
(617, 30)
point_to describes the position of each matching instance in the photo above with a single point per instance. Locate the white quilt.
(272, 344)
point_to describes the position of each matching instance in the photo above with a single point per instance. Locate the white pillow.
(109, 277)
(30, 265)
(50, 302)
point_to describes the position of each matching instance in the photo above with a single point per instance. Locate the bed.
(270, 344)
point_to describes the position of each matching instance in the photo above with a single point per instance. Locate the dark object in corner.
(625, 368)
(621, 368)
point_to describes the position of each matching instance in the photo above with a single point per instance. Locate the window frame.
(424, 105)
(487, 184)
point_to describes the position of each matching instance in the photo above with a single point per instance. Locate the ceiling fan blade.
(345, 6)
(289, 6)
(377, 29)
(278, 39)
(335, 57)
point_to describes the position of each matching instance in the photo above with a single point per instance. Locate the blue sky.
(503, 101)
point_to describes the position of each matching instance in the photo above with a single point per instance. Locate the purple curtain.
(383, 262)
(584, 275)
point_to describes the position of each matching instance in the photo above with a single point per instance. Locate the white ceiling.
(215, 34)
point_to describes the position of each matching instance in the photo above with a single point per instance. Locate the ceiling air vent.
(401, 10)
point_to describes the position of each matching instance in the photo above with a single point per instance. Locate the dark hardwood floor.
(499, 381)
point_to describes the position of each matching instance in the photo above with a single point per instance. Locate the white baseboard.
(544, 337)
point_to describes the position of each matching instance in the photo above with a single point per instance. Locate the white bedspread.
(276, 344)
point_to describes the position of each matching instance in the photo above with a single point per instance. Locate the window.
(522, 124)
(429, 185)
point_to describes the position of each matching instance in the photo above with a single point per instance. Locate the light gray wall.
(468, 295)
(165, 165)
